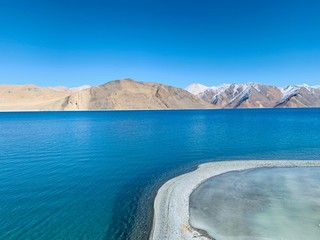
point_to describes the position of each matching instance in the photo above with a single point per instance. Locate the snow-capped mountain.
(196, 88)
(258, 95)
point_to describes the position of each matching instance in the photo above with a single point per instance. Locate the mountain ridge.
(130, 94)
(117, 94)
(257, 95)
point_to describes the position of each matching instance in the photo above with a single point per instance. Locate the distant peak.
(196, 88)
(308, 86)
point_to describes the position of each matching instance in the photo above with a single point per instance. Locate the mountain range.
(130, 94)
(118, 94)
(256, 95)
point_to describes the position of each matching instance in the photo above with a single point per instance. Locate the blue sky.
(173, 42)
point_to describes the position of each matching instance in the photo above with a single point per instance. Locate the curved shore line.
(171, 205)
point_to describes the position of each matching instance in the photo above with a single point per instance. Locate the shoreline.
(138, 109)
(171, 205)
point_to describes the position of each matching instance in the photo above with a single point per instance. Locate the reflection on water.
(265, 203)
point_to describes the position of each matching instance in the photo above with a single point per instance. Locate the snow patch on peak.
(309, 87)
(196, 88)
(245, 92)
(221, 88)
(288, 89)
(255, 85)
(242, 97)
(288, 92)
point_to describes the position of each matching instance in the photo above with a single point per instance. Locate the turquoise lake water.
(94, 175)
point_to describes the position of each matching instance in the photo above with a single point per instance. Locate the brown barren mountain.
(129, 94)
(29, 97)
(118, 94)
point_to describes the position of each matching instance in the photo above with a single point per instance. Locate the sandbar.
(171, 205)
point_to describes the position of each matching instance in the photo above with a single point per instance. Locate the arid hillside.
(118, 94)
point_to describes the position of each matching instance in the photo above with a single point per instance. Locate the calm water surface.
(93, 175)
(263, 203)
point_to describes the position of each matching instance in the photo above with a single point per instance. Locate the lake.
(94, 175)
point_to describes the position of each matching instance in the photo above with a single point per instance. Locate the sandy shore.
(171, 206)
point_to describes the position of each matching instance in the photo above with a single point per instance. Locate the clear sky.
(74, 42)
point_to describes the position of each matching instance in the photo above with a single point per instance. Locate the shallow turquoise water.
(93, 175)
(262, 203)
